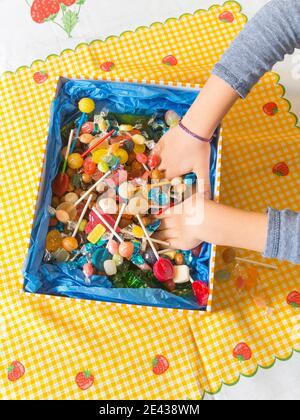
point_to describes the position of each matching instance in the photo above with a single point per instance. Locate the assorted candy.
(105, 201)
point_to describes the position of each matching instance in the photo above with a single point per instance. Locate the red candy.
(201, 292)
(141, 158)
(87, 128)
(94, 221)
(89, 166)
(60, 185)
(163, 270)
(154, 161)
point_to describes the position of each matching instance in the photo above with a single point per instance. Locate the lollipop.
(229, 256)
(126, 249)
(97, 144)
(142, 159)
(82, 215)
(163, 269)
(61, 182)
(86, 106)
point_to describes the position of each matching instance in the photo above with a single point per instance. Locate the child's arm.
(277, 234)
(272, 33)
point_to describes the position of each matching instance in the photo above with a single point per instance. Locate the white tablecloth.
(23, 41)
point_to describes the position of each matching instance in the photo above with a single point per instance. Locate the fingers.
(165, 235)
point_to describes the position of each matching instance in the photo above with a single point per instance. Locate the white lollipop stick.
(82, 215)
(92, 188)
(106, 224)
(146, 167)
(156, 241)
(148, 237)
(123, 208)
(245, 260)
(68, 150)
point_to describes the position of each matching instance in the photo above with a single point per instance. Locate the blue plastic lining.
(60, 279)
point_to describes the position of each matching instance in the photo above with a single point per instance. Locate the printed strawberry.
(67, 2)
(226, 17)
(40, 77)
(242, 352)
(43, 10)
(15, 371)
(281, 169)
(84, 380)
(170, 60)
(108, 66)
(270, 109)
(160, 365)
(293, 299)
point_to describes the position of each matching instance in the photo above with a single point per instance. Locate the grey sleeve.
(265, 40)
(283, 240)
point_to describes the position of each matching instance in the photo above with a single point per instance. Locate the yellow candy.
(123, 155)
(86, 105)
(138, 139)
(171, 254)
(75, 161)
(83, 225)
(99, 155)
(96, 234)
(103, 167)
(139, 148)
(126, 127)
(114, 148)
(138, 232)
(103, 124)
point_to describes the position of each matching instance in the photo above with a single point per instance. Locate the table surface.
(112, 17)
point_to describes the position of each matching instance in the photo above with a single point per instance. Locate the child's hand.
(198, 220)
(183, 226)
(181, 154)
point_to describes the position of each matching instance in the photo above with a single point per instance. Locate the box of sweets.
(94, 232)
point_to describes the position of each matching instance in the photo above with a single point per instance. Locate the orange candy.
(53, 241)
(70, 244)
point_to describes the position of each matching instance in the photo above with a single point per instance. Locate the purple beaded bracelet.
(184, 128)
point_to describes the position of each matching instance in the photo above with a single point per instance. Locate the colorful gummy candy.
(103, 197)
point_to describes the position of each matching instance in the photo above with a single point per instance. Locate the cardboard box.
(64, 110)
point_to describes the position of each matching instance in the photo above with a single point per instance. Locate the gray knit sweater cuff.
(283, 241)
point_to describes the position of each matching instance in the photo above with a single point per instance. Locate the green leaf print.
(70, 20)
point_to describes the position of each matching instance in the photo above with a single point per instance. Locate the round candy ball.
(88, 270)
(138, 205)
(70, 244)
(139, 148)
(110, 268)
(53, 241)
(108, 205)
(163, 270)
(86, 105)
(75, 161)
(103, 167)
(154, 161)
(142, 158)
(126, 190)
(89, 166)
(99, 155)
(123, 155)
(139, 139)
(86, 138)
(179, 259)
(126, 250)
(87, 128)
(71, 198)
(113, 247)
(118, 260)
(150, 257)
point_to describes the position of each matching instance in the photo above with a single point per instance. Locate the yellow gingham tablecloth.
(47, 341)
